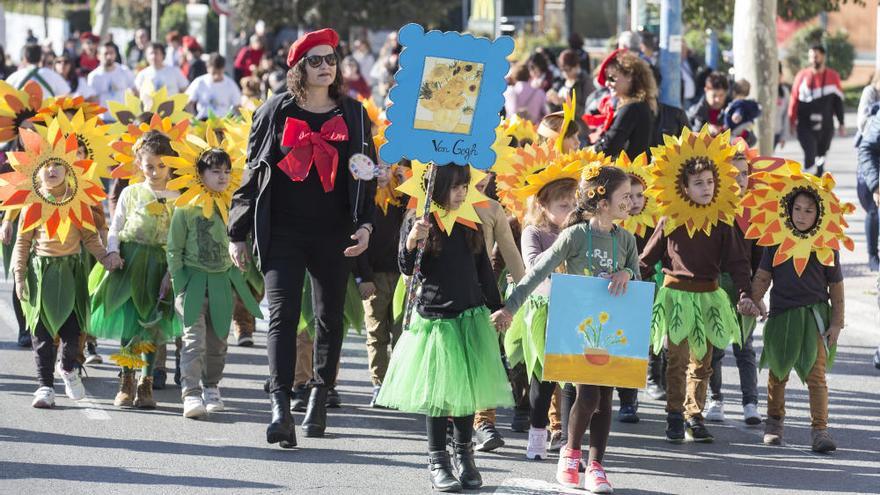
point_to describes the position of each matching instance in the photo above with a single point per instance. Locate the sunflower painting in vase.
(448, 95)
(597, 338)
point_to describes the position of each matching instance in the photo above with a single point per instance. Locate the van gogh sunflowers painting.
(448, 95)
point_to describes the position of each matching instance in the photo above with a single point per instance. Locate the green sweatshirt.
(584, 252)
(196, 242)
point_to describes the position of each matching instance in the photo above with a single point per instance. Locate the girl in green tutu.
(803, 329)
(448, 362)
(591, 244)
(134, 304)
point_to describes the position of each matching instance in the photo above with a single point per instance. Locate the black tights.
(592, 408)
(462, 432)
(540, 397)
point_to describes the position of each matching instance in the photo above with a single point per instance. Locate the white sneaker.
(537, 448)
(751, 415)
(715, 411)
(193, 407)
(44, 398)
(213, 402)
(73, 385)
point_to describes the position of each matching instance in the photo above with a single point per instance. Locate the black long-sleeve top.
(381, 255)
(632, 130)
(454, 280)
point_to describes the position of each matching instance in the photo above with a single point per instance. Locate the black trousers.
(45, 353)
(815, 143)
(284, 269)
(19, 313)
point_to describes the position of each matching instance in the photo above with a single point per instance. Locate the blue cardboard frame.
(405, 139)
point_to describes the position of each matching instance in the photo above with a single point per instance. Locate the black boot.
(315, 421)
(463, 459)
(441, 472)
(281, 429)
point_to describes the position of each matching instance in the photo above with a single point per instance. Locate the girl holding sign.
(592, 244)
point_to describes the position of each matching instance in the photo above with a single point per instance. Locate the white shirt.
(83, 89)
(215, 97)
(55, 85)
(110, 85)
(150, 79)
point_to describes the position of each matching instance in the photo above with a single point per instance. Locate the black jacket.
(250, 213)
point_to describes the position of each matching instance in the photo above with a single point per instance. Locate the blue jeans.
(748, 372)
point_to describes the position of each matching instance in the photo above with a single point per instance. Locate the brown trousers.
(382, 330)
(816, 385)
(687, 380)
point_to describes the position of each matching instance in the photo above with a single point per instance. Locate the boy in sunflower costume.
(800, 220)
(55, 197)
(202, 274)
(697, 200)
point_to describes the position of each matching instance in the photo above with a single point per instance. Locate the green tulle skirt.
(703, 318)
(125, 303)
(447, 367)
(56, 288)
(525, 339)
(791, 340)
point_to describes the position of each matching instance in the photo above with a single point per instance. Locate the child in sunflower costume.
(448, 361)
(800, 220)
(551, 199)
(202, 275)
(134, 304)
(697, 200)
(591, 244)
(55, 198)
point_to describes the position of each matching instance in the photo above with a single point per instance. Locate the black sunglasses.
(610, 79)
(316, 60)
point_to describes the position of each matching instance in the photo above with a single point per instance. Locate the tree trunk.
(756, 60)
(103, 9)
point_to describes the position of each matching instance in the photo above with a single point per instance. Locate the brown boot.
(144, 398)
(125, 396)
(822, 441)
(773, 431)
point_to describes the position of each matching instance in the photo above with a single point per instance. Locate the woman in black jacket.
(304, 210)
(631, 82)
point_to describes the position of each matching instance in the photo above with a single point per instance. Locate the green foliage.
(718, 14)
(840, 52)
(801, 10)
(173, 19)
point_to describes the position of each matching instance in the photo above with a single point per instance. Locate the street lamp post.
(670, 52)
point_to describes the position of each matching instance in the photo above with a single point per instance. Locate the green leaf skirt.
(123, 299)
(791, 340)
(447, 367)
(56, 288)
(524, 341)
(218, 288)
(703, 318)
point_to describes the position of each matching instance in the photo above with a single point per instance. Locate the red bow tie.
(308, 147)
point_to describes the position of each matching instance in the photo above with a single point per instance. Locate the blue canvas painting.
(595, 338)
(446, 101)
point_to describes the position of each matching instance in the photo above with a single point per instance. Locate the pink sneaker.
(567, 468)
(595, 481)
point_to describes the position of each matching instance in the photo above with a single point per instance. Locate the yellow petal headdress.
(17, 106)
(639, 224)
(568, 118)
(125, 149)
(69, 105)
(771, 224)
(37, 207)
(466, 214)
(90, 133)
(667, 172)
(157, 103)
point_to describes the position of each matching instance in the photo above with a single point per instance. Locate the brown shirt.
(701, 258)
(39, 242)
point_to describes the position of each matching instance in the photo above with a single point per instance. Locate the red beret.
(305, 43)
(89, 36)
(600, 77)
(190, 43)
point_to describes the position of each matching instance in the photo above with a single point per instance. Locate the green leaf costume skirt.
(790, 340)
(217, 287)
(124, 299)
(56, 288)
(447, 367)
(703, 318)
(747, 324)
(526, 337)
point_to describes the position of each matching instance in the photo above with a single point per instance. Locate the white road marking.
(520, 486)
(91, 409)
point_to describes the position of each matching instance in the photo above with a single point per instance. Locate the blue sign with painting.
(595, 338)
(447, 98)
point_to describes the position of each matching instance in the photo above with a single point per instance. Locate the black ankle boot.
(315, 421)
(441, 472)
(463, 460)
(281, 429)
